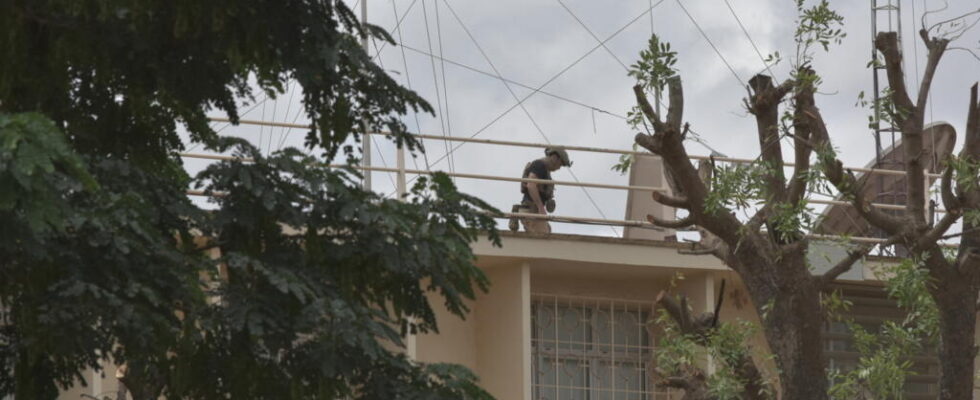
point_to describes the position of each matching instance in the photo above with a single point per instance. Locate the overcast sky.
(533, 43)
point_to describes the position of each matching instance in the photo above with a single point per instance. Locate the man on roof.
(539, 197)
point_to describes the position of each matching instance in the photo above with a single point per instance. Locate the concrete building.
(570, 317)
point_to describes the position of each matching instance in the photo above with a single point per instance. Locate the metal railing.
(401, 171)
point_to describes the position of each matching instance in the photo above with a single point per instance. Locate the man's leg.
(533, 225)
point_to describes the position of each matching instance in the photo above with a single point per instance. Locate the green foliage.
(104, 256)
(323, 273)
(626, 161)
(727, 345)
(815, 25)
(884, 110)
(655, 66)
(736, 186)
(86, 269)
(885, 362)
(966, 172)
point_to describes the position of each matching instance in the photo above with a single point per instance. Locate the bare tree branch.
(845, 265)
(683, 223)
(937, 47)
(675, 110)
(844, 181)
(887, 44)
(971, 146)
(950, 200)
(668, 144)
(700, 328)
(647, 109)
(668, 200)
(971, 51)
(802, 148)
(764, 104)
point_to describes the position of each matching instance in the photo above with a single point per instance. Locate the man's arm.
(532, 190)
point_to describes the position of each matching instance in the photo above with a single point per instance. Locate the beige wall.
(504, 333)
(456, 341)
(98, 384)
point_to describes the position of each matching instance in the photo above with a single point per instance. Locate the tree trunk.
(957, 302)
(793, 328)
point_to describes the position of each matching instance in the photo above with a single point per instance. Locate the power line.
(442, 63)
(521, 104)
(492, 75)
(746, 32)
(435, 83)
(398, 25)
(546, 83)
(408, 79)
(705, 36)
(582, 24)
(373, 139)
(552, 79)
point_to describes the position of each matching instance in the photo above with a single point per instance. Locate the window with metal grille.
(592, 349)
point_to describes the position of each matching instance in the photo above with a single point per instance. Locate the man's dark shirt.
(540, 170)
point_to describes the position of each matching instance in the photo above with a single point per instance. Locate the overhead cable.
(511, 81)
(521, 104)
(705, 36)
(752, 42)
(408, 79)
(582, 24)
(435, 83)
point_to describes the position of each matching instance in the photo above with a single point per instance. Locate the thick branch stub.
(887, 44)
(675, 110)
(671, 201)
(647, 109)
(683, 223)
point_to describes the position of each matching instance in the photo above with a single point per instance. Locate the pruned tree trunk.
(957, 300)
(955, 283)
(771, 262)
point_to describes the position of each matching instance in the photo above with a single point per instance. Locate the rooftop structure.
(570, 316)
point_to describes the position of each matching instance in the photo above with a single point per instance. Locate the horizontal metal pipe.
(510, 179)
(460, 175)
(555, 218)
(617, 222)
(573, 148)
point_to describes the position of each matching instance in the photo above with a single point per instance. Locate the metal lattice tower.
(886, 16)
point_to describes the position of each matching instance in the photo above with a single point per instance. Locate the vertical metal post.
(366, 137)
(925, 193)
(402, 189)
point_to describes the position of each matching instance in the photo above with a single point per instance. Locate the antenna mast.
(889, 12)
(366, 137)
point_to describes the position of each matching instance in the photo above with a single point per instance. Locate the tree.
(687, 337)
(768, 249)
(771, 262)
(955, 281)
(103, 256)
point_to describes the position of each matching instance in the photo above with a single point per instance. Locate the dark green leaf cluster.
(322, 274)
(299, 284)
(87, 272)
(120, 73)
